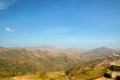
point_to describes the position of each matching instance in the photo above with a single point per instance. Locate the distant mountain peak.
(103, 48)
(102, 51)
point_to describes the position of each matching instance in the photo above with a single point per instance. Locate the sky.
(60, 23)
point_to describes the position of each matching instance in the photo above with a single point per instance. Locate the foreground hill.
(22, 61)
(17, 62)
(92, 69)
(85, 71)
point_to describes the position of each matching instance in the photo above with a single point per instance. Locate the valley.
(55, 64)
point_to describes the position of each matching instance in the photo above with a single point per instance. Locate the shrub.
(118, 78)
(107, 75)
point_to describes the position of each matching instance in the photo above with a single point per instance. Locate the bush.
(118, 78)
(107, 75)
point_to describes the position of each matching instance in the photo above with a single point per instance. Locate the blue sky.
(61, 23)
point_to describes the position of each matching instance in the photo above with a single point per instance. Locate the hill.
(92, 69)
(98, 52)
(44, 63)
(21, 61)
(15, 62)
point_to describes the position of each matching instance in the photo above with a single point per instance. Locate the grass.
(88, 74)
(56, 75)
(49, 76)
(33, 77)
(4, 78)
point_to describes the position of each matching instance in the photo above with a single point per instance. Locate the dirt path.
(103, 78)
(20, 78)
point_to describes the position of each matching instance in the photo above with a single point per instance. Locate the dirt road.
(103, 78)
(20, 78)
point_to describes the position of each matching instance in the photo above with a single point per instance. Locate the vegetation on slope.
(90, 70)
(14, 62)
(47, 65)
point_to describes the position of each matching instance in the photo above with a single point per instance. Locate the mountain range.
(20, 61)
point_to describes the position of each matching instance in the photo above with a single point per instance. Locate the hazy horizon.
(61, 23)
(49, 47)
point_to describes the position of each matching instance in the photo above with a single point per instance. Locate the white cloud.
(8, 29)
(5, 4)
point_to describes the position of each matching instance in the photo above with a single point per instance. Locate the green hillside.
(54, 65)
(14, 62)
(90, 70)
